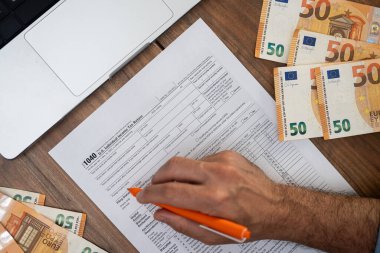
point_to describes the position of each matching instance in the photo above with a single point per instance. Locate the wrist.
(288, 216)
(281, 225)
(274, 222)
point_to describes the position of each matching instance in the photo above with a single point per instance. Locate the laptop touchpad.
(82, 40)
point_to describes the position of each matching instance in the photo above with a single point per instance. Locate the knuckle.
(217, 201)
(169, 167)
(155, 178)
(203, 165)
(229, 155)
(228, 170)
(173, 162)
(221, 197)
(205, 169)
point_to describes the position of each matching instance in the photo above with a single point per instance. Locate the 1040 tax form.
(193, 100)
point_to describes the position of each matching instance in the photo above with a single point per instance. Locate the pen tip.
(134, 191)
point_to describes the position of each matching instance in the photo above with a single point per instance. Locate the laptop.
(53, 54)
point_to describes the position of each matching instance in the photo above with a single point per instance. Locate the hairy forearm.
(330, 222)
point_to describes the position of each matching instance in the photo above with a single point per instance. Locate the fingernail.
(159, 218)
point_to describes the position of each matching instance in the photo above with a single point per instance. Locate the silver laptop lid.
(82, 40)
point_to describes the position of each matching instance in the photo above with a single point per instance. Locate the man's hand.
(224, 185)
(227, 185)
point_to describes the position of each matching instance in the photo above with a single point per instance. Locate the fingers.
(181, 170)
(182, 195)
(189, 228)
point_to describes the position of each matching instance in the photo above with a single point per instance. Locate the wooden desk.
(236, 23)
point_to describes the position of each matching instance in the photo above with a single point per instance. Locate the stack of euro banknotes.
(26, 225)
(331, 87)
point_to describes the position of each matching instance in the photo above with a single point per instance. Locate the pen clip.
(223, 235)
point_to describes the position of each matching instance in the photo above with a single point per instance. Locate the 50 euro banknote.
(35, 233)
(277, 23)
(72, 221)
(7, 243)
(24, 196)
(340, 18)
(349, 98)
(297, 102)
(312, 48)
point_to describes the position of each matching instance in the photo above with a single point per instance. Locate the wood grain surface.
(236, 24)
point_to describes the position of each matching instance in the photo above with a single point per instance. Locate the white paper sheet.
(193, 100)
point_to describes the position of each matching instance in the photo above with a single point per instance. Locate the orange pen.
(222, 227)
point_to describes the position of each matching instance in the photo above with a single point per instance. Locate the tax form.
(193, 100)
